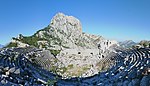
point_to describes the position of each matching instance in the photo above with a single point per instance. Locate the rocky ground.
(131, 68)
(86, 64)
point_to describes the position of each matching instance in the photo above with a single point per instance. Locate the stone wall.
(83, 52)
(105, 44)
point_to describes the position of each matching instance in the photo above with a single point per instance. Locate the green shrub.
(65, 46)
(50, 82)
(55, 52)
(70, 66)
(53, 69)
(64, 69)
(86, 68)
(11, 45)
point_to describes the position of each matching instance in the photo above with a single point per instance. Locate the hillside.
(62, 32)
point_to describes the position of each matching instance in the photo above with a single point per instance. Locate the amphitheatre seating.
(129, 66)
(24, 73)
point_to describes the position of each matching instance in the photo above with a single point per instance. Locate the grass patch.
(77, 71)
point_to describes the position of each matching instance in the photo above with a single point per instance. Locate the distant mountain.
(1, 46)
(127, 43)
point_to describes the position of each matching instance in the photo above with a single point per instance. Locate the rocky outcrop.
(69, 25)
(19, 43)
(62, 33)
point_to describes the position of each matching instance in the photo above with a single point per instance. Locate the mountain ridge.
(63, 32)
(127, 43)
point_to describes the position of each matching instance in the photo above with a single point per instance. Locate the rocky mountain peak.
(127, 43)
(64, 32)
(68, 24)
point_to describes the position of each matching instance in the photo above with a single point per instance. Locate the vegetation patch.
(145, 43)
(70, 66)
(11, 45)
(55, 52)
(103, 66)
(51, 82)
(65, 46)
(76, 71)
(62, 70)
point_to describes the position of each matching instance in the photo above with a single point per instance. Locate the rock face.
(67, 24)
(63, 32)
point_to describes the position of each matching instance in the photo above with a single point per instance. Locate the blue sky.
(113, 19)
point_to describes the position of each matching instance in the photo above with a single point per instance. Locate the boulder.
(11, 70)
(17, 71)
